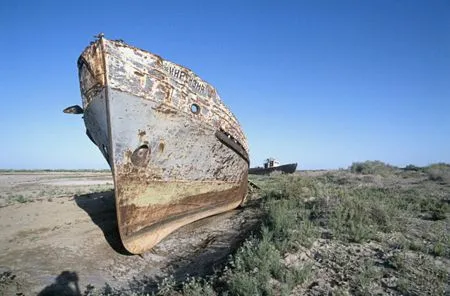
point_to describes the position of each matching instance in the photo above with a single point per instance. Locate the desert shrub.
(436, 209)
(299, 205)
(281, 220)
(372, 168)
(364, 280)
(418, 275)
(295, 208)
(297, 187)
(363, 212)
(197, 287)
(21, 199)
(243, 283)
(285, 187)
(341, 178)
(167, 287)
(440, 243)
(254, 265)
(289, 224)
(411, 167)
(350, 221)
(257, 269)
(439, 172)
(298, 275)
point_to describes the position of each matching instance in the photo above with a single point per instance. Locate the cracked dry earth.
(73, 240)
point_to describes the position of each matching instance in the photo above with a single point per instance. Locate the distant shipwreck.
(176, 152)
(272, 165)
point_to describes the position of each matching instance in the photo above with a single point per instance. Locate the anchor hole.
(141, 156)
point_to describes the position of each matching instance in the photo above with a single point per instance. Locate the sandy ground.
(53, 241)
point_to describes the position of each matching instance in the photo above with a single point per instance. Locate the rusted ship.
(272, 165)
(176, 152)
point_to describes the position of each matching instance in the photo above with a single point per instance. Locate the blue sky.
(321, 83)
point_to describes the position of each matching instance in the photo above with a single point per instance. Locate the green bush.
(372, 168)
(439, 172)
(21, 199)
(411, 167)
(255, 263)
(196, 287)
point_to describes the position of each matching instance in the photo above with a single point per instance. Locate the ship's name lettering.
(193, 82)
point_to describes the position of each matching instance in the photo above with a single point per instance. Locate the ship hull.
(286, 169)
(171, 164)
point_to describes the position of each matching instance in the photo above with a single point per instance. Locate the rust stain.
(91, 70)
(161, 147)
(141, 135)
(139, 218)
(165, 109)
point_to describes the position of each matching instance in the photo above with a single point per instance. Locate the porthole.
(195, 108)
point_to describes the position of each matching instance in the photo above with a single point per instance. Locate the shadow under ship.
(176, 152)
